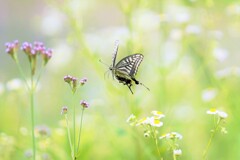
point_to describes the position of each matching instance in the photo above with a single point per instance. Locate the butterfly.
(126, 69)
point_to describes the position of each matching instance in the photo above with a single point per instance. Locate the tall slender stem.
(69, 135)
(32, 89)
(210, 140)
(79, 135)
(74, 131)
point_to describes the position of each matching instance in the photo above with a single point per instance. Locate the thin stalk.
(69, 135)
(74, 131)
(32, 116)
(21, 73)
(210, 140)
(80, 131)
(156, 141)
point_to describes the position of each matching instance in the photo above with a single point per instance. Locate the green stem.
(210, 140)
(74, 130)
(80, 131)
(156, 140)
(21, 73)
(69, 135)
(32, 116)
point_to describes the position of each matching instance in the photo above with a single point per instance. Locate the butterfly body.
(126, 69)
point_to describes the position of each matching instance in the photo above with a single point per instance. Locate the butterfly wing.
(128, 66)
(115, 51)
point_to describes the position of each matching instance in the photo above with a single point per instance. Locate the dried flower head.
(68, 79)
(11, 48)
(84, 104)
(42, 131)
(64, 110)
(83, 81)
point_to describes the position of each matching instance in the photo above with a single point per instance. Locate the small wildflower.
(11, 48)
(146, 133)
(46, 54)
(42, 131)
(224, 130)
(143, 121)
(177, 152)
(67, 79)
(84, 104)
(222, 114)
(155, 122)
(64, 110)
(27, 48)
(175, 135)
(158, 114)
(164, 136)
(83, 81)
(132, 119)
(74, 84)
(212, 111)
(171, 135)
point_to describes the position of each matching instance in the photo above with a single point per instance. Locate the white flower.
(222, 114)
(176, 135)
(212, 111)
(209, 94)
(155, 122)
(172, 135)
(177, 152)
(158, 114)
(131, 120)
(143, 121)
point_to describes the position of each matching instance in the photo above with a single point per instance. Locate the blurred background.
(191, 64)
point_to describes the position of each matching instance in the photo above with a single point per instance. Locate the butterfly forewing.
(115, 53)
(129, 65)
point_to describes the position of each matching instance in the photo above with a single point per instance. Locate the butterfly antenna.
(144, 86)
(103, 63)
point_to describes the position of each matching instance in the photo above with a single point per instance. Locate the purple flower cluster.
(84, 104)
(83, 81)
(11, 48)
(37, 48)
(73, 82)
(32, 50)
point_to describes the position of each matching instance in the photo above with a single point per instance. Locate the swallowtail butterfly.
(126, 69)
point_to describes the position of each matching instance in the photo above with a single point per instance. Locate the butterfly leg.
(129, 86)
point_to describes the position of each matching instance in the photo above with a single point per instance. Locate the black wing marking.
(129, 64)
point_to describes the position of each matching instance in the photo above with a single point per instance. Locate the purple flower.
(84, 104)
(42, 131)
(27, 48)
(68, 79)
(11, 48)
(47, 54)
(64, 110)
(83, 81)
